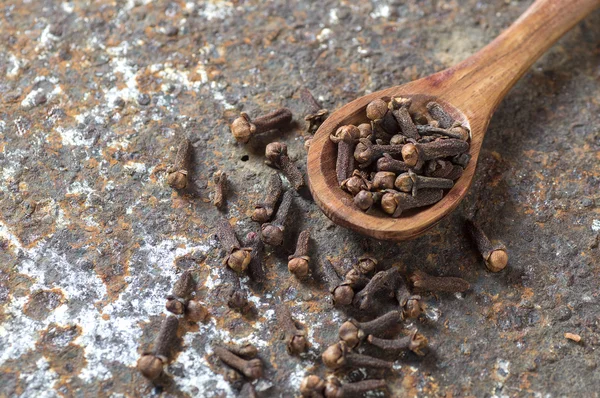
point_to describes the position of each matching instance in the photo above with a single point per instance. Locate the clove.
(414, 342)
(231, 291)
(339, 356)
(246, 351)
(316, 113)
(345, 137)
(178, 174)
(412, 182)
(342, 294)
(394, 203)
(358, 182)
(277, 156)
(494, 255)
(383, 283)
(415, 155)
(182, 291)
(399, 108)
(243, 128)
(220, 180)
(312, 386)
(298, 262)
(252, 368)
(353, 332)
(151, 363)
(256, 269)
(335, 389)
(387, 163)
(429, 130)
(378, 112)
(237, 258)
(366, 152)
(273, 233)
(383, 180)
(263, 211)
(365, 200)
(425, 282)
(409, 303)
(295, 339)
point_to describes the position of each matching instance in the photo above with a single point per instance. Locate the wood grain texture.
(469, 91)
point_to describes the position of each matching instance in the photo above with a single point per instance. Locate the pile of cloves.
(400, 160)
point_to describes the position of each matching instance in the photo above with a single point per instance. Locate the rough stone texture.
(94, 95)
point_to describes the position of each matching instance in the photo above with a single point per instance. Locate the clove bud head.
(343, 295)
(272, 234)
(195, 312)
(174, 306)
(242, 129)
(177, 179)
(333, 356)
(239, 259)
(150, 366)
(497, 260)
(410, 154)
(253, 369)
(350, 333)
(299, 266)
(312, 386)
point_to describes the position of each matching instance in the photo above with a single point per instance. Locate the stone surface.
(93, 98)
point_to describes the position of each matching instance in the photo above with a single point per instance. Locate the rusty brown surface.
(94, 95)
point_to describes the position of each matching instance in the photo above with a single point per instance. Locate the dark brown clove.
(243, 128)
(394, 203)
(353, 332)
(339, 356)
(256, 269)
(273, 233)
(220, 180)
(494, 255)
(182, 290)
(411, 304)
(345, 137)
(151, 363)
(383, 283)
(252, 368)
(178, 174)
(263, 211)
(415, 155)
(358, 182)
(428, 130)
(231, 291)
(425, 282)
(246, 350)
(378, 112)
(295, 339)
(383, 180)
(312, 386)
(366, 264)
(366, 152)
(316, 113)
(414, 342)
(399, 108)
(237, 258)
(298, 262)
(412, 182)
(366, 130)
(195, 312)
(247, 391)
(335, 389)
(277, 156)
(388, 163)
(461, 160)
(440, 115)
(342, 294)
(365, 200)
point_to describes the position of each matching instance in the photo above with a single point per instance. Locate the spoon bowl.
(469, 91)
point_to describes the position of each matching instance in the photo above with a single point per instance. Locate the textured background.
(94, 95)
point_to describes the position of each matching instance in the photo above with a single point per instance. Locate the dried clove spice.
(415, 155)
(399, 108)
(273, 233)
(342, 294)
(425, 282)
(366, 152)
(358, 182)
(178, 174)
(414, 342)
(394, 203)
(298, 262)
(316, 113)
(494, 255)
(182, 291)
(387, 163)
(339, 356)
(231, 291)
(377, 111)
(151, 363)
(335, 389)
(345, 137)
(353, 332)
(237, 257)
(295, 339)
(277, 156)
(243, 128)
(312, 386)
(383, 180)
(252, 368)
(365, 200)
(263, 211)
(256, 269)
(247, 391)
(383, 283)
(246, 350)
(412, 182)
(411, 304)
(220, 180)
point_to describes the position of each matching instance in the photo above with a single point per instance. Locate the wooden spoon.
(469, 91)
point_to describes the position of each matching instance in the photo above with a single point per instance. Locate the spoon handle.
(481, 81)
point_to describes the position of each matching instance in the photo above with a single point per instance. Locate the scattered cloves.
(178, 174)
(335, 389)
(237, 258)
(263, 211)
(273, 233)
(182, 290)
(409, 303)
(298, 262)
(151, 363)
(231, 291)
(342, 294)
(277, 156)
(243, 128)
(353, 332)
(252, 368)
(256, 269)
(440, 115)
(414, 342)
(494, 255)
(338, 356)
(316, 113)
(220, 180)
(295, 339)
(426, 282)
(345, 137)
